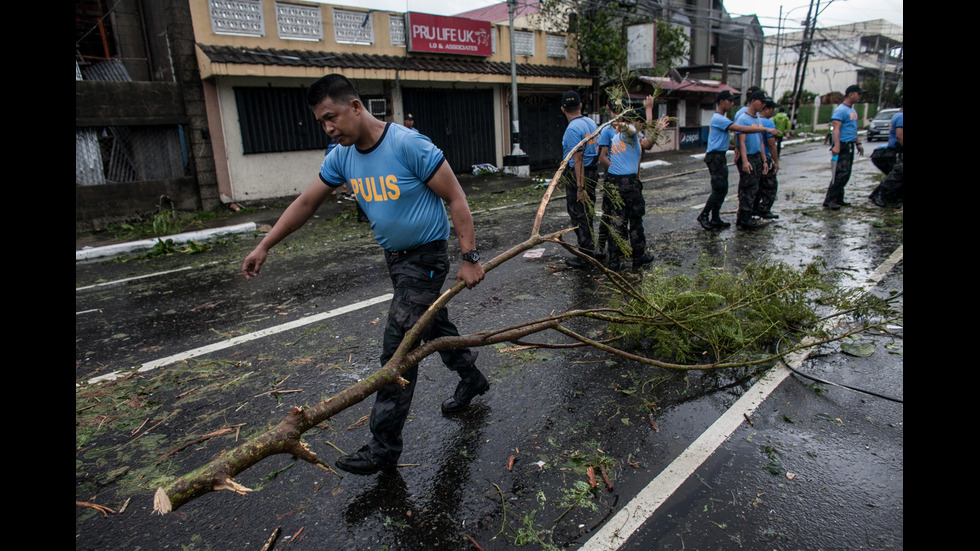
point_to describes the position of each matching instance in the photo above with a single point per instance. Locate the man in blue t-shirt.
(889, 192)
(401, 180)
(715, 158)
(580, 175)
(751, 162)
(844, 132)
(621, 146)
(768, 186)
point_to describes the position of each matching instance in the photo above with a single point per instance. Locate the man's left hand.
(471, 273)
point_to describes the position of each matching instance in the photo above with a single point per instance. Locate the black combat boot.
(363, 462)
(471, 384)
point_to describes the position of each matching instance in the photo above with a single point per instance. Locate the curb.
(132, 246)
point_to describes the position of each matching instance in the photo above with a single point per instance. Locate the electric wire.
(845, 387)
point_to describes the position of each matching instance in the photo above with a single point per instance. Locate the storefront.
(258, 56)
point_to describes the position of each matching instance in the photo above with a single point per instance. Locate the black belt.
(431, 246)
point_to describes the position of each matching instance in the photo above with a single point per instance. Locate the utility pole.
(517, 162)
(796, 79)
(775, 61)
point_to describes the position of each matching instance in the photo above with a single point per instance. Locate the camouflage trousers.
(768, 189)
(417, 277)
(889, 192)
(884, 159)
(748, 188)
(627, 220)
(582, 215)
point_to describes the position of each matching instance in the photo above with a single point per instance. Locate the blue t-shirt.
(849, 122)
(579, 128)
(718, 139)
(389, 181)
(765, 136)
(624, 151)
(753, 142)
(894, 125)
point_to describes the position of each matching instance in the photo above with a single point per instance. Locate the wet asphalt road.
(813, 467)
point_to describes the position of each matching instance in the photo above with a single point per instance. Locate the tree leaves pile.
(717, 316)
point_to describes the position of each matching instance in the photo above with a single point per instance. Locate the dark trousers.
(768, 189)
(748, 187)
(841, 174)
(582, 215)
(626, 220)
(718, 169)
(417, 277)
(884, 159)
(889, 192)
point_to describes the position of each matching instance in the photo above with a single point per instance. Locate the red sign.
(447, 35)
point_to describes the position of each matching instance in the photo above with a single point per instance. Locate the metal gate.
(542, 127)
(459, 122)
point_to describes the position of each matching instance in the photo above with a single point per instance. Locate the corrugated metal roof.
(500, 12)
(689, 85)
(307, 58)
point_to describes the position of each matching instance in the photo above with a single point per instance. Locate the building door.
(459, 122)
(542, 127)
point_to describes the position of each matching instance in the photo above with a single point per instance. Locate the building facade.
(839, 56)
(256, 58)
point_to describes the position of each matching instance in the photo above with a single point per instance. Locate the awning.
(688, 85)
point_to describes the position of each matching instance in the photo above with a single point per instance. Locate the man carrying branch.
(400, 179)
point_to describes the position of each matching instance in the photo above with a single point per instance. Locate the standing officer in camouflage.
(581, 175)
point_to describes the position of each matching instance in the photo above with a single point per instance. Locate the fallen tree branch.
(100, 508)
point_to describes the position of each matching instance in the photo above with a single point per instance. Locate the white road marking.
(134, 278)
(243, 338)
(630, 518)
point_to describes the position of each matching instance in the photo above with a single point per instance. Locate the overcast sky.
(836, 12)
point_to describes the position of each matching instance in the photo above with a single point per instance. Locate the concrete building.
(839, 56)
(257, 56)
(141, 129)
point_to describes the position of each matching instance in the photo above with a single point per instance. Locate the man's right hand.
(253, 263)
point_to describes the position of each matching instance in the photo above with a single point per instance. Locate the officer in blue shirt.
(844, 129)
(621, 147)
(752, 162)
(580, 175)
(768, 185)
(889, 192)
(401, 180)
(715, 158)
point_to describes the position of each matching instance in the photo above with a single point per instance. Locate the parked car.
(880, 124)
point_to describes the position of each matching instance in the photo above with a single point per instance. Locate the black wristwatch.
(472, 256)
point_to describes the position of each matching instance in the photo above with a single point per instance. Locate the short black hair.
(334, 86)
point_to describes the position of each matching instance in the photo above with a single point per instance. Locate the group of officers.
(404, 185)
(759, 131)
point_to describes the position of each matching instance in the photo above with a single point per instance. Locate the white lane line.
(630, 518)
(134, 278)
(243, 338)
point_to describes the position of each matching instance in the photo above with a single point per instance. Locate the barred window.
(239, 17)
(277, 119)
(299, 22)
(352, 27)
(524, 43)
(396, 28)
(557, 46)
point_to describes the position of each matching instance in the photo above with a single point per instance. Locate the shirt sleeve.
(605, 137)
(330, 172)
(420, 155)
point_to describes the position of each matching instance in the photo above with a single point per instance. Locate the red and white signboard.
(447, 35)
